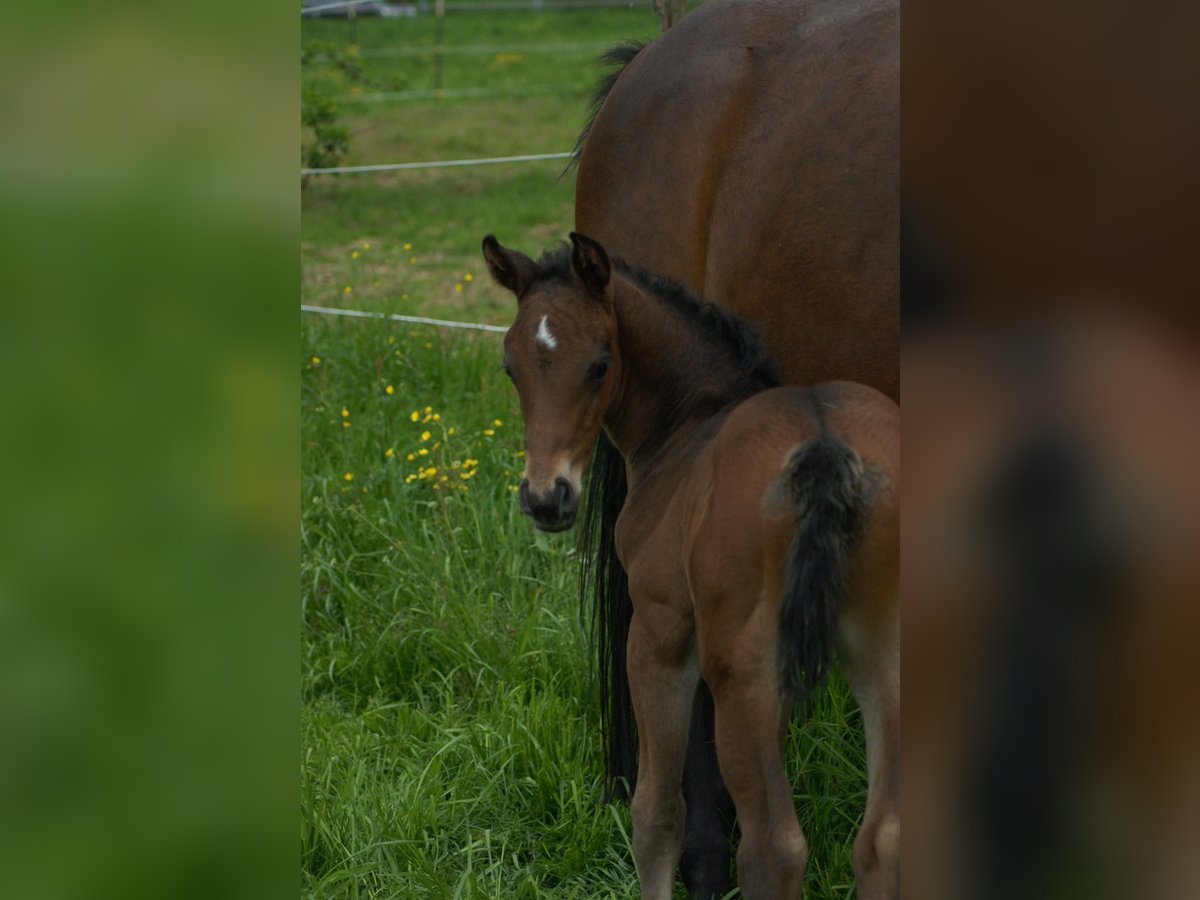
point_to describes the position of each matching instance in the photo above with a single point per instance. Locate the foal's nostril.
(565, 496)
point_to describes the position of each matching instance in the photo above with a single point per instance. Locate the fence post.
(352, 18)
(440, 34)
(670, 12)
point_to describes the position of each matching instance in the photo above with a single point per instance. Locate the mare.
(751, 153)
(759, 533)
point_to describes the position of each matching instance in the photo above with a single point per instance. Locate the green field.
(450, 736)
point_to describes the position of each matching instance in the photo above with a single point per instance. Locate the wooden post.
(440, 32)
(352, 18)
(670, 11)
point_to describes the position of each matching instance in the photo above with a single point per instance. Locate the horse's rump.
(752, 152)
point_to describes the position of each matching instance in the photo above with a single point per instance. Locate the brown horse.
(759, 532)
(751, 153)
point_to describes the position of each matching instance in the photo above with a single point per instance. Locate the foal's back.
(743, 522)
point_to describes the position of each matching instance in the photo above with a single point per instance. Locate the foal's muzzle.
(554, 510)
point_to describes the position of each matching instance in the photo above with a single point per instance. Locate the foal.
(759, 531)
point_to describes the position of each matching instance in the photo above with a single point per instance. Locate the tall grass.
(449, 724)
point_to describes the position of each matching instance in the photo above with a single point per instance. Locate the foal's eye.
(598, 369)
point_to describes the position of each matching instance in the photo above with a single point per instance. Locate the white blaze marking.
(544, 337)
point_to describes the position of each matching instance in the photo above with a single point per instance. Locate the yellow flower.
(347, 289)
(521, 453)
(422, 452)
(425, 435)
(366, 245)
(452, 431)
(389, 390)
(488, 432)
(389, 452)
(428, 345)
(512, 488)
(411, 457)
(316, 360)
(431, 471)
(408, 246)
(465, 475)
(345, 412)
(349, 476)
(497, 422)
(411, 260)
(414, 416)
(428, 410)
(436, 444)
(437, 417)
(391, 339)
(410, 479)
(346, 423)
(355, 255)
(468, 278)
(458, 288)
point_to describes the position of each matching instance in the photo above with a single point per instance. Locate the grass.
(449, 726)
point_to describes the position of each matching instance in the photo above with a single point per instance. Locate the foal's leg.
(662, 680)
(749, 715)
(871, 658)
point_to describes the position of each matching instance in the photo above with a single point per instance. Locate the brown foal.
(759, 533)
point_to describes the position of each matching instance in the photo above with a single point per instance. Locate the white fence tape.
(396, 317)
(529, 90)
(437, 164)
(534, 6)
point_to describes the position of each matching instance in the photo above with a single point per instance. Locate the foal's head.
(561, 354)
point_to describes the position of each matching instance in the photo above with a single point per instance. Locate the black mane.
(619, 56)
(736, 336)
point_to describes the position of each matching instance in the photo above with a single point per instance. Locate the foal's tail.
(828, 485)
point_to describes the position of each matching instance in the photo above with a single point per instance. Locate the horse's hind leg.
(710, 813)
(871, 658)
(662, 680)
(749, 714)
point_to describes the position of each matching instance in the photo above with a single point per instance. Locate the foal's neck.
(674, 377)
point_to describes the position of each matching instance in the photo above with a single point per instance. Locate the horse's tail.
(604, 599)
(828, 485)
(619, 56)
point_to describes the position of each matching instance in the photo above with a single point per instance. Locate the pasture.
(450, 740)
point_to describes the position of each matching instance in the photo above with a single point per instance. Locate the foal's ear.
(590, 262)
(511, 268)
